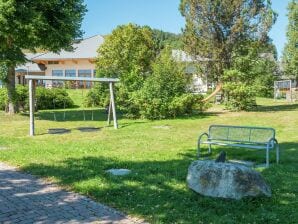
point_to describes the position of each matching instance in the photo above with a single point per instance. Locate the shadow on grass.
(157, 190)
(278, 107)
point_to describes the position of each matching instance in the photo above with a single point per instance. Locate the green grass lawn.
(156, 190)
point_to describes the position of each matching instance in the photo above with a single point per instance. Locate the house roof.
(29, 66)
(182, 56)
(86, 48)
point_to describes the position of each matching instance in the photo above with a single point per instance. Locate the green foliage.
(3, 99)
(45, 98)
(54, 98)
(256, 61)
(128, 50)
(22, 99)
(239, 93)
(165, 93)
(266, 74)
(3, 72)
(34, 25)
(165, 39)
(214, 30)
(290, 56)
(97, 96)
(127, 54)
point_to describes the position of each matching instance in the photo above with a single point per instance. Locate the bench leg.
(267, 157)
(199, 148)
(209, 148)
(277, 153)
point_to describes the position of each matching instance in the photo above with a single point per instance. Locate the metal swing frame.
(32, 84)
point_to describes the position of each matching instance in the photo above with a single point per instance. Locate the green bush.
(45, 98)
(22, 98)
(3, 99)
(97, 96)
(52, 98)
(239, 95)
(165, 93)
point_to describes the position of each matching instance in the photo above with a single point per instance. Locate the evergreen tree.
(215, 28)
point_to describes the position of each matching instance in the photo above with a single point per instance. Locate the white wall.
(78, 64)
(199, 81)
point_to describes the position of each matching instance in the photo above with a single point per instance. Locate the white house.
(200, 82)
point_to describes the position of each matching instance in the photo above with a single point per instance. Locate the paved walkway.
(26, 199)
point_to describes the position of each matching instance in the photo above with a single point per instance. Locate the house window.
(85, 73)
(57, 73)
(53, 62)
(70, 73)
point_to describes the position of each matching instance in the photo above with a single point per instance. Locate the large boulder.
(226, 180)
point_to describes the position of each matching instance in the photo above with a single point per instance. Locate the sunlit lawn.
(159, 157)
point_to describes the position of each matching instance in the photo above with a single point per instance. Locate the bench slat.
(238, 145)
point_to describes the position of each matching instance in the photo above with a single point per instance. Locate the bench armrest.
(204, 134)
(199, 142)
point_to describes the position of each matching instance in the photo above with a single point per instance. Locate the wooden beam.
(113, 106)
(74, 61)
(91, 61)
(109, 112)
(31, 106)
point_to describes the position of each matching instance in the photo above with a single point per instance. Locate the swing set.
(32, 84)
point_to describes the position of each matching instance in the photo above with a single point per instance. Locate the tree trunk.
(11, 90)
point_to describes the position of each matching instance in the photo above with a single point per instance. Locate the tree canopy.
(129, 48)
(50, 25)
(164, 39)
(215, 28)
(290, 54)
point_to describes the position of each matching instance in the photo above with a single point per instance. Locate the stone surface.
(119, 172)
(225, 180)
(27, 199)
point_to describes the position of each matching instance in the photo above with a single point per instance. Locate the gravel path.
(27, 199)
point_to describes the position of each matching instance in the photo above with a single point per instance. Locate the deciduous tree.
(31, 24)
(290, 55)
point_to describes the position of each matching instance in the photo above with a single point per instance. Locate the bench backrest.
(245, 134)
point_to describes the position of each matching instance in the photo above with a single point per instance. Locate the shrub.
(165, 93)
(45, 98)
(97, 96)
(22, 99)
(3, 99)
(52, 98)
(239, 95)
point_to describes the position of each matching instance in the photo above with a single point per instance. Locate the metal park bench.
(241, 136)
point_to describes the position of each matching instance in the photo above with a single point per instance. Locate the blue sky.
(104, 15)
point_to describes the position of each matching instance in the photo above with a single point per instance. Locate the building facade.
(80, 62)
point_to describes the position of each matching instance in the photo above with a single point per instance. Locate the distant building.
(30, 68)
(77, 63)
(81, 63)
(200, 81)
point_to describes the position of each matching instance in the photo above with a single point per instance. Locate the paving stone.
(27, 199)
